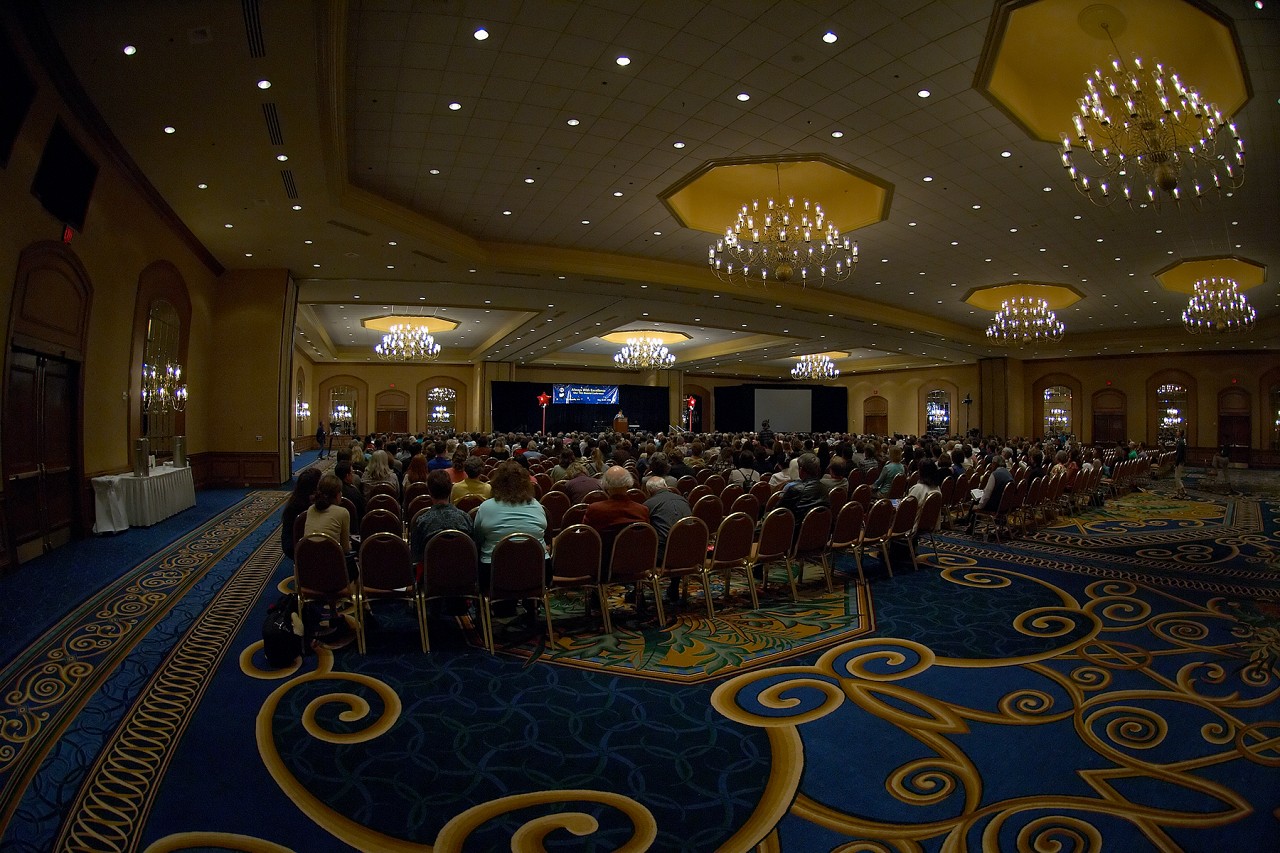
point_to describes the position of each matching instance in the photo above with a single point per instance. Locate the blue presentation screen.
(603, 395)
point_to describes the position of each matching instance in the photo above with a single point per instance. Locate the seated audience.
(471, 483)
(440, 515)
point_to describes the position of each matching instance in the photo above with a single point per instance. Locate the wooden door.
(39, 451)
(1109, 427)
(875, 424)
(391, 420)
(1234, 430)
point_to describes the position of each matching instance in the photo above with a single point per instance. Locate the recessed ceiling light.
(624, 61)
(391, 243)
(248, 254)
(977, 207)
(297, 207)
(202, 186)
(130, 50)
(506, 213)
(912, 224)
(617, 194)
(955, 242)
(1006, 153)
(264, 84)
(837, 134)
(923, 93)
(1015, 231)
(573, 122)
(168, 128)
(657, 233)
(677, 145)
(433, 171)
(454, 105)
(480, 34)
(228, 225)
(282, 157)
(830, 38)
(586, 222)
(355, 297)
(317, 266)
(928, 178)
(743, 96)
(391, 266)
(528, 180)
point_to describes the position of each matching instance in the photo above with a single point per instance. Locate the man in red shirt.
(609, 516)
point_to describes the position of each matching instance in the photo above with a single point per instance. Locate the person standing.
(1180, 462)
(320, 436)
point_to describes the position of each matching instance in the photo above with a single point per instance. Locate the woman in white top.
(327, 515)
(745, 474)
(930, 481)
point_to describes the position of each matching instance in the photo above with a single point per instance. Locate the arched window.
(1171, 411)
(937, 412)
(1273, 414)
(342, 409)
(164, 389)
(1057, 410)
(301, 408)
(441, 407)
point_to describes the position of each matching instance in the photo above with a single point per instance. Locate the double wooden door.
(40, 451)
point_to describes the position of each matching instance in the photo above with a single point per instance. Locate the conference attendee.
(766, 434)
(992, 489)
(806, 493)
(481, 448)
(930, 481)
(578, 482)
(531, 451)
(326, 515)
(1180, 462)
(456, 472)
(679, 467)
(350, 489)
(695, 459)
(660, 466)
(378, 471)
(744, 471)
(416, 471)
(439, 516)
(561, 469)
(471, 484)
(320, 436)
(439, 457)
(837, 475)
(891, 469)
(304, 492)
(609, 516)
(510, 509)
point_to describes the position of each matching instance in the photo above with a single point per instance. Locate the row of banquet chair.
(737, 549)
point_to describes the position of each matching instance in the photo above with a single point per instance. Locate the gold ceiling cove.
(433, 325)
(1037, 54)
(990, 298)
(709, 198)
(666, 338)
(1181, 276)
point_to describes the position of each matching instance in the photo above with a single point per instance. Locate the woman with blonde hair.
(378, 471)
(891, 469)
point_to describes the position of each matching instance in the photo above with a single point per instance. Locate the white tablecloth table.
(123, 501)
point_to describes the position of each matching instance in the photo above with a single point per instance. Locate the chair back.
(898, 487)
(715, 483)
(636, 495)
(848, 525)
(733, 540)
(635, 553)
(1010, 500)
(686, 547)
(466, 503)
(380, 521)
(904, 517)
(761, 489)
(700, 476)
(930, 513)
(299, 527)
(685, 484)
(385, 563)
(710, 510)
(697, 493)
(814, 530)
(863, 495)
(856, 478)
(776, 533)
(747, 503)
(383, 501)
(879, 521)
(595, 495)
(575, 556)
(518, 570)
(837, 498)
(543, 480)
(319, 566)
(554, 504)
(350, 507)
(775, 498)
(948, 490)
(412, 490)
(451, 565)
(730, 493)
(419, 502)
(383, 489)
(573, 515)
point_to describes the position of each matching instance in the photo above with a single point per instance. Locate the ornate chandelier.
(1218, 306)
(440, 394)
(644, 354)
(815, 368)
(784, 242)
(304, 410)
(1023, 320)
(163, 389)
(1151, 135)
(407, 343)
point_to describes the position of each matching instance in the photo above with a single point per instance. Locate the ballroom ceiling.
(533, 213)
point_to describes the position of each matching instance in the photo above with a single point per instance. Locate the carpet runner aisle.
(1109, 682)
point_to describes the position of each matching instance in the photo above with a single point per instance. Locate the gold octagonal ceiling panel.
(1038, 53)
(989, 298)
(710, 197)
(667, 338)
(433, 325)
(1181, 276)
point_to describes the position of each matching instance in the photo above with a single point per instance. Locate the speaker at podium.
(620, 422)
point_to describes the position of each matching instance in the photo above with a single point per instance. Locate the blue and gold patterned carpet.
(1109, 683)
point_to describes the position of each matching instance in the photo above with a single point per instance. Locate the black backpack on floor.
(286, 636)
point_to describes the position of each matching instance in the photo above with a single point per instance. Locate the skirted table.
(125, 500)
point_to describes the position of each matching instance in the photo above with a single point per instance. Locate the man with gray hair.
(609, 516)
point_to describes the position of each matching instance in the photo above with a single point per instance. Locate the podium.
(620, 424)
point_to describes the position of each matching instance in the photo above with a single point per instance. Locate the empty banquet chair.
(774, 545)
(518, 574)
(634, 559)
(575, 563)
(685, 558)
(386, 572)
(732, 553)
(451, 569)
(381, 521)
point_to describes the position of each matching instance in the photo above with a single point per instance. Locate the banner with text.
(603, 395)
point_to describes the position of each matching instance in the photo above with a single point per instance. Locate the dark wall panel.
(516, 409)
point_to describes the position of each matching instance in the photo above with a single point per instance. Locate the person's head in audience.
(566, 459)
(746, 459)
(511, 484)
(304, 490)
(328, 491)
(655, 484)
(473, 466)
(659, 465)
(577, 468)
(343, 471)
(616, 481)
(809, 466)
(929, 474)
(439, 486)
(895, 453)
(343, 455)
(459, 459)
(838, 468)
